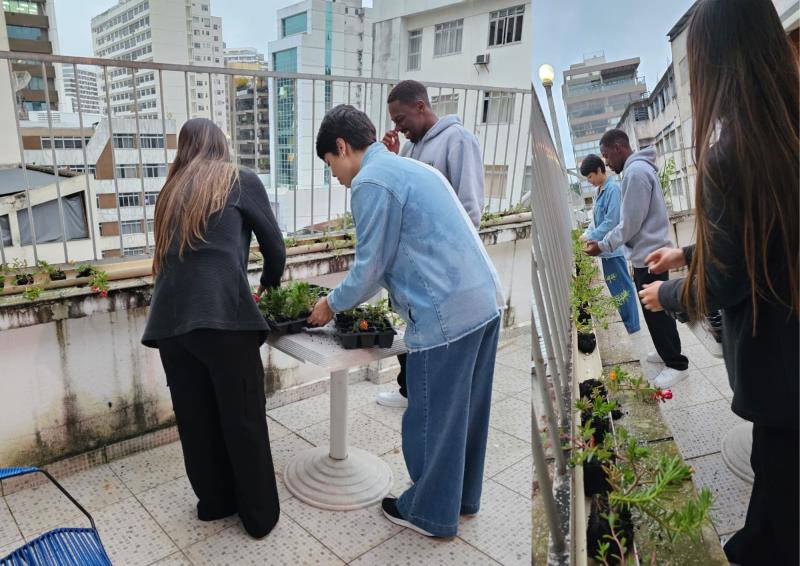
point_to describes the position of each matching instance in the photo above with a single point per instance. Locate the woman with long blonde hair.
(743, 74)
(208, 329)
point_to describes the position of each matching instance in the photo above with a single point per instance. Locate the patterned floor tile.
(503, 450)
(518, 477)
(718, 376)
(9, 531)
(694, 390)
(287, 544)
(362, 432)
(398, 465)
(348, 534)
(388, 416)
(502, 528)
(510, 381)
(518, 359)
(701, 357)
(174, 506)
(512, 416)
(151, 468)
(131, 536)
(731, 494)
(282, 451)
(302, 414)
(177, 559)
(699, 430)
(276, 430)
(411, 549)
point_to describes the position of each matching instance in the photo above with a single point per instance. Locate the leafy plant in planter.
(98, 282)
(367, 325)
(620, 380)
(54, 273)
(32, 292)
(635, 483)
(3, 272)
(22, 276)
(589, 304)
(84, 270)
(287, 308)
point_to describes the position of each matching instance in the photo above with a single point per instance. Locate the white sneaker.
(654, 358)
(392, 399)
(669, 377)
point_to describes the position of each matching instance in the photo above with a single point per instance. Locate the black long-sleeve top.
(763, 369)
(208, 287)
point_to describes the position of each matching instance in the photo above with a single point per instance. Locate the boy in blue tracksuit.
(605, 218)
(416, 240)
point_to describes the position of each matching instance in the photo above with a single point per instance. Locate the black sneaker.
(389, 505)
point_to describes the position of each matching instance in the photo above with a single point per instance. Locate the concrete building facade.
(85, 86)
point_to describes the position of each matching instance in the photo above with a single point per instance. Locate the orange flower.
(612, 375)
(363, 325)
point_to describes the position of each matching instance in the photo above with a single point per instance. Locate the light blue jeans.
(618, 268)
(445, 429)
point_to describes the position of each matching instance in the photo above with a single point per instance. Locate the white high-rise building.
(84, 84)
(246, 55)
(175, 31)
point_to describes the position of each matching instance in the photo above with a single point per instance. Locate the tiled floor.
(145, 508)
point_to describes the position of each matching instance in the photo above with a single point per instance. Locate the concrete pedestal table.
(336, 477)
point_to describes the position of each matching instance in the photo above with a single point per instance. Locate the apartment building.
(248, 105)
(81, 91)
(125, 172)
(182, 32)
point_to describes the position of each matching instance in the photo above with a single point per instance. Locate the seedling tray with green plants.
(287, 308)
(366, 326)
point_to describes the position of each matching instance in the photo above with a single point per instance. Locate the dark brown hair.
(199, 182)
(744, 85)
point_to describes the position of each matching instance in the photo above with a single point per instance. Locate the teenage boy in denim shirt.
(415, 240)
(606, 216)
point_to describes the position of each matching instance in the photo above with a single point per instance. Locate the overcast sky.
(563, 31)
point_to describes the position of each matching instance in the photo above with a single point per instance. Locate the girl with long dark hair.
(208, 329)
(744, 89)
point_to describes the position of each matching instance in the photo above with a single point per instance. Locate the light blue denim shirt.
(605, 215)
(414, 239)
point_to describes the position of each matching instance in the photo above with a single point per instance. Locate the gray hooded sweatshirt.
(454, 151)
(643, 221)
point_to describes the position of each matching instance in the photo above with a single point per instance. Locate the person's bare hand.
(664, 259)
(322, 313)
(649, 296)
(391, 140)
(592, 248)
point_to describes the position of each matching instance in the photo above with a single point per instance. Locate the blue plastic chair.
(59, 547)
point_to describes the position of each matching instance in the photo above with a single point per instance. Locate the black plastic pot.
(84, 273)
(587, 387)
(595, 480)
(290, 326)
(599, 530)
(349, 340)
(24, 279)
(587, 343)
(367, 339)
(386, 338)
(58, 276)
(583, 315)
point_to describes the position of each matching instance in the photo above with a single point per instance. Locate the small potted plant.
(84, 270)
(22, 275)
(366, 326)
(287, 308)
(54, 273)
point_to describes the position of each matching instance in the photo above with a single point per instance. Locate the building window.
(134, 250)
(154, 170)
(24, 32)
(444, 104)
(128, 227)
(151, 141)
(414, 49)
(64, 142)
(495, 177)
(126, 172)
(505, 26)
(5, 231)
(124, 141)
(36, 83)
(151, 225)
(298, 23)
(128, 199)
(33, 8)
(150, 198)
(447, 39)
(498, 107)
(286, 119)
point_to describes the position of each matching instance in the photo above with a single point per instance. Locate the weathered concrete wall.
(75, 377)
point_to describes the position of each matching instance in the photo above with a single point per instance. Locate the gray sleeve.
(465, 165)
(633, 211)
(405, 149)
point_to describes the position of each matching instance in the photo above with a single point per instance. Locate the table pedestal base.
(359, 480)
(736, 448)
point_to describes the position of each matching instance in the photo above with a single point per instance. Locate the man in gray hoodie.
(643, 228)
(442, 143)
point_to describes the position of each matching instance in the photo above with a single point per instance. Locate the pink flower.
(666, 394)
(256, 298)
(104, 293)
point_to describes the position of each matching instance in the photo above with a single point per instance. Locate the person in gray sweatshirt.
(642, 229)
(442, 143)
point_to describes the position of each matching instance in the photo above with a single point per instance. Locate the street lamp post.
(546, 75)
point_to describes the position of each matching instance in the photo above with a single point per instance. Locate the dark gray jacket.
(209, 288)
(763, 368)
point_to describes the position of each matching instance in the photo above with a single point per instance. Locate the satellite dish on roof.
(21, 80)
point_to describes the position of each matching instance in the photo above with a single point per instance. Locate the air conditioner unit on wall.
(482, 59)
